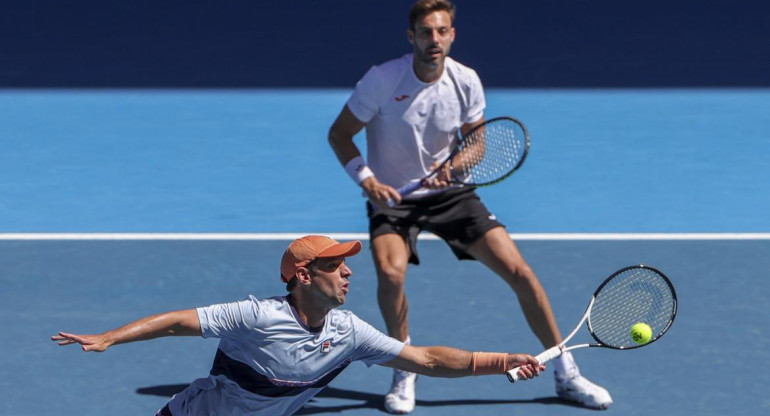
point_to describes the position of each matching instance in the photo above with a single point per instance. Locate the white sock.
(565, 364)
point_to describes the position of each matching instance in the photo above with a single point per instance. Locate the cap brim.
(350, 248)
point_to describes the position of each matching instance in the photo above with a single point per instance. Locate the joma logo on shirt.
(401, 98)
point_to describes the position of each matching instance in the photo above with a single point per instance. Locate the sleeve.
(372, 346)
(476, 100)
(226, 320)
(364, 103)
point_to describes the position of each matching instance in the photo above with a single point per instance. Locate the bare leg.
(497, 251)
(391, 256)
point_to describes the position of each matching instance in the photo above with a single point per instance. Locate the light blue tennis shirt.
(270, 363)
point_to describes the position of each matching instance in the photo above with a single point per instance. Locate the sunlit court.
(158, 158)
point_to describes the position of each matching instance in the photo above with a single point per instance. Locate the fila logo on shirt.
(401, 98)
(326, 347)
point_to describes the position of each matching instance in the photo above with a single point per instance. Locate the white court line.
(365, 236)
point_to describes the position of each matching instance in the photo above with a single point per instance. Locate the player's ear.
(410, 36)
(303, 275)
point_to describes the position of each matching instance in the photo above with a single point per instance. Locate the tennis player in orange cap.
(276, 353)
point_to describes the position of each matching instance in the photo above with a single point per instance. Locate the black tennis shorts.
(457, 216)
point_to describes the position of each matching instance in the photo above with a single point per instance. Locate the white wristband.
(357, 170)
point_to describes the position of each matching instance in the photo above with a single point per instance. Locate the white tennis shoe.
(400, 400)
(574, 387)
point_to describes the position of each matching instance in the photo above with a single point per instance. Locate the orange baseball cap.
(310, 247)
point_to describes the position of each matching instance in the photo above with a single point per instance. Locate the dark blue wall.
(316, 43)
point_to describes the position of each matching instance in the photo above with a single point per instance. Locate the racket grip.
(405, 190)
(409, 188)
(543, 357)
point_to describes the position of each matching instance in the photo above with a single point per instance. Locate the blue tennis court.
(713, 361)
(602, 161)
(160, 155)
(200, 162)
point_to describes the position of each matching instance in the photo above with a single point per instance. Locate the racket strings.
(491, 152)
(635, 295)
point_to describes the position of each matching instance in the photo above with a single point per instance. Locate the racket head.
(491, 152)
(631, 295)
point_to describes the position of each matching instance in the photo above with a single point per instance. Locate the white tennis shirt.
(270, 363)
(411, 124)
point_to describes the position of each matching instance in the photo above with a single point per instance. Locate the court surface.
(652, 161)
(714, 360)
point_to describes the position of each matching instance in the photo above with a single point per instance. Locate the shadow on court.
(367, 400)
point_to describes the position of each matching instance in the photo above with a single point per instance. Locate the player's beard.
(426, 57)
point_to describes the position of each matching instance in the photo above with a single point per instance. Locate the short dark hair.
(425, 7)
(291, 284)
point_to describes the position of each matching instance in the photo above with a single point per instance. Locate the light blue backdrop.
(258, 161)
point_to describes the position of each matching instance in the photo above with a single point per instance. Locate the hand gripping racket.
(487, 154)
(635, 294)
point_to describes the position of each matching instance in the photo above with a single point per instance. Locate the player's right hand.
(379, 194)
(528, 365)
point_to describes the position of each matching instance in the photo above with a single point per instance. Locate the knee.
(520, 277)
(391, 274)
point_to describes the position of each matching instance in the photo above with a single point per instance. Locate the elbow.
(335, 139)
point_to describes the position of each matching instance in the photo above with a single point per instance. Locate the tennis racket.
(631, 295)
(487, 154)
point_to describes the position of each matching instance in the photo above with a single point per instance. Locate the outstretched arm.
(177, 323)
(452, 362)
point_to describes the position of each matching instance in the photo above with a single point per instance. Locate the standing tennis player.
(412, 108)
(275, 354)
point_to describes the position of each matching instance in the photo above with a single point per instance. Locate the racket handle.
(406, 190)
(543, 357)
(409, 188)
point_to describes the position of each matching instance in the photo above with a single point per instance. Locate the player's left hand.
(440, 179)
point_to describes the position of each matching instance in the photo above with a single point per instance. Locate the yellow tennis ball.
(641, 333)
